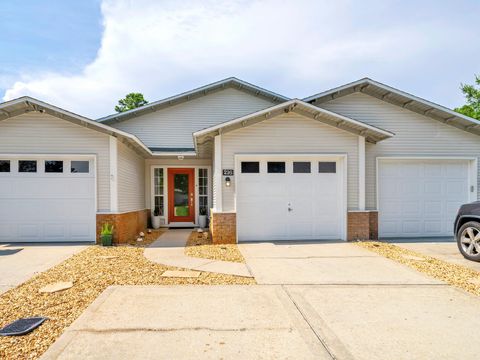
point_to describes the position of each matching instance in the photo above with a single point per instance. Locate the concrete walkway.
(20, 261)
(441, 248)
(169, 250)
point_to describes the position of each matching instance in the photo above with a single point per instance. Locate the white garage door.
(47, 199)
(290, 198)
(420, 197)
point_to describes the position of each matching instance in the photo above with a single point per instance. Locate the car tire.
(468, 240)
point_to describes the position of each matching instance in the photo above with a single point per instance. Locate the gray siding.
(415, 135)
(131, 181)
(45, 134)
(174, 126)
(291, 133)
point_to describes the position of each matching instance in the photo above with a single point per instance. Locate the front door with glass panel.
(181, 195)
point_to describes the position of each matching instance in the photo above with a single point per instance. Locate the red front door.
(181, 195)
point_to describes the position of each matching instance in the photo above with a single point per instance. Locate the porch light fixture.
(227, 182)
(180, 157)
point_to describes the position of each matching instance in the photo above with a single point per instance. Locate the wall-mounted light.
(180, 157)
(227, 182)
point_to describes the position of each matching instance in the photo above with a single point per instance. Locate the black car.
(467, 230)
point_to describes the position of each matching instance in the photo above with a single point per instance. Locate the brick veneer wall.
(362, 225)
(223, 227)
(126, 225)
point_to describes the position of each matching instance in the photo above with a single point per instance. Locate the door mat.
(22, 326)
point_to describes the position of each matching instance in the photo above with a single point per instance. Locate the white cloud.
(295, 47)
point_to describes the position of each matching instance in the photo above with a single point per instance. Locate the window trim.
(250, 172)
(10, 167)
(28, 172)
(78, 173)
(53, 172)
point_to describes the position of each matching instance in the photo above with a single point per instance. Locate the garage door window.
(276, 167)
(301, 167)
(250, 167)
(53, 166)
(327, 167)
(5, 166)
(27, 166)
(79, 167)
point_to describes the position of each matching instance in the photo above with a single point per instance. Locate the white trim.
(188, 95)
(294, 102)
(472, 169)
(334, 156)
(361, 173)
(165, 190)
(217, 176)
(367, 81)
(69, 116)
(113, 146)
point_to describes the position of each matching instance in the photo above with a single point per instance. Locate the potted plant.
(202, 218)
(156, 218)
(106, 234)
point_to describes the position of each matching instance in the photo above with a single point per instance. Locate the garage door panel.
(313, 197)
(47, 207)
(428, 199)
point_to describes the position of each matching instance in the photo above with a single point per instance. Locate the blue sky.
(53, 35)
(85, 55)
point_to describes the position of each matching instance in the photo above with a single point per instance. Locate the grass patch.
(200, 245)
(92, 272)
(453, 274)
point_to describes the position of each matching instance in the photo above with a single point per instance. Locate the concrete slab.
(302, 249)
(181, 274)
(334, 270)
(392, 322)
(447, 251)
(19, 262)
(169, 250)
(190, 322)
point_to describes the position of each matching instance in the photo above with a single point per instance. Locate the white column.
(113, 174)
(361, 173)
(217, 174)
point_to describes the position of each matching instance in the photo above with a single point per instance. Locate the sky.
(85, 55)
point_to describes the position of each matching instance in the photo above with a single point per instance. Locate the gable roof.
(230, 82)
(400, 98)
(26, 104)
(371, 133)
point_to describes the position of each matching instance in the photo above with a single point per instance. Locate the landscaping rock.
(58, 286)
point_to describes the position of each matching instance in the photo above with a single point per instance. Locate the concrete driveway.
(19, 262)
(441, 248)
(313, 301)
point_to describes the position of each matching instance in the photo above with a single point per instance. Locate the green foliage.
(107, 229)
(131, 101)
(472, 95)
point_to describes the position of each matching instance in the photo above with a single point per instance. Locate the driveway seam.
(327, 349)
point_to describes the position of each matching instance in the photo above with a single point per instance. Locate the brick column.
(362, 225)
(223, 227)
(126, 226)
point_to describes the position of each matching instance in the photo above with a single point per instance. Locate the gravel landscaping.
(200, 245)
(91, 272)
(453, 274)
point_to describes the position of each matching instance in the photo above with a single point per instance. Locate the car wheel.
(468, 240)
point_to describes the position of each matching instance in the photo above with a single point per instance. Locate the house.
(360, 161)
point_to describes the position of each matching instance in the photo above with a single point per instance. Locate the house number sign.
(227, 172)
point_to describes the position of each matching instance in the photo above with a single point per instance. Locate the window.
(327, 167)
(4, 165)
(301, 167)
(53, 166)
(276, 167)
(250, 167)
(203, 189)
(158, 191)
(79, 166)
(27, 166)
